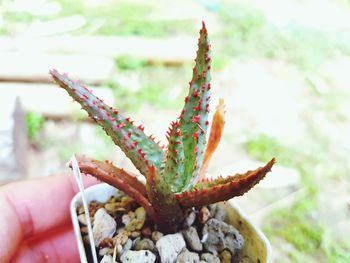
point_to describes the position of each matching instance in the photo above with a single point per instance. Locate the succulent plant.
(175, 176)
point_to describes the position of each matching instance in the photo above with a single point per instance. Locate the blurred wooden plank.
(34, 67)
(169, 50)
(46, 99)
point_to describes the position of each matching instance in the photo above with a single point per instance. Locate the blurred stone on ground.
(19, 140)
(13, 144)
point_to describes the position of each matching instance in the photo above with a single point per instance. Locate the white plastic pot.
(257, 247)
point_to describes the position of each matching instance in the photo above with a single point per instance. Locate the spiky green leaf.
(140, 148)
(194, 117)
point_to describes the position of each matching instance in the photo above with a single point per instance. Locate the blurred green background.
(281, 66)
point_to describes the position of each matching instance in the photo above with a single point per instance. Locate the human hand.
(35, 220)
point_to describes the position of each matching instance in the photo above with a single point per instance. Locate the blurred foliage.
(20, 17)
(161, 85)
(65, 152)
(336, 252)
(3, 31)
(262, 147)
(124, 18)
(247, 32)
(155, 87)
(34, 123)
(299, 224)
(114, 17)
(126, 62)
(220, 60)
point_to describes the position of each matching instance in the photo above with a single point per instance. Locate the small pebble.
(80, 210)
(86, 239)
(192, 239)
(82, 219)
(107, 259)
(135, 240)
(137, 222)
(141, 256)
(118, 249)
(135, 234)
(105, 251)
(140, 213)
(121, 238)
(126, 199)
(156, 235)
(128, 245)
(106, 242)
(204, 215)
(128, 217)
(245, 259)
(208, 257)
(84, 230)
(187, 257)
(111, 207)
(170, 246)
(220, 236)
(113, 199)
(120, 230)
(144, 244)
(225, 256)
(218, 211)
(146, 231)
(93, 207)
(189, 220)
(104, 226)
(127, 202)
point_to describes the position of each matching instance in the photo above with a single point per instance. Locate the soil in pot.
(122, 227)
